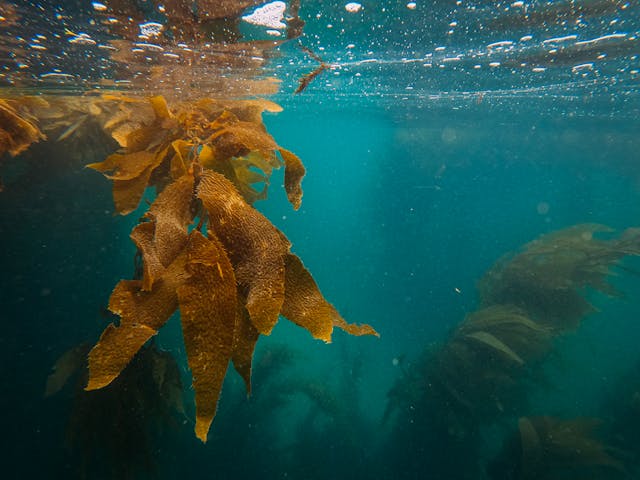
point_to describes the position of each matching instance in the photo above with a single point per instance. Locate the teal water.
(419, 178)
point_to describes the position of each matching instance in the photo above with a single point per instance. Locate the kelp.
(550, 276)
(205, 251)
(481, 370)
(509, 330)
(547, 448)
(69, 363)
(114, 431)
(306, 79)
(161, 144)
(485, 369)
(17, 130)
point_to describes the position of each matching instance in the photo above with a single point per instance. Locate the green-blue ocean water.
(410, 196)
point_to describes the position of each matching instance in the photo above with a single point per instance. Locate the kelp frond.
(549, 276)
(162, 144)
(112, 430)
(17, 130)
(230, 283)
(551, 448)
(528, 298)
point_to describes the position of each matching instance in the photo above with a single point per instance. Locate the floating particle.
(542, 208)
(150, 29)
(582, 67)
(353, 7)
(82, 39)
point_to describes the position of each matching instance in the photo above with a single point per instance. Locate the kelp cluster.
(115, 430)
(485, 370)
(17, 131)
(547, 448)
(549, 277)
(203, 249)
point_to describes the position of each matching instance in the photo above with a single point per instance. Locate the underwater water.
(472, 192)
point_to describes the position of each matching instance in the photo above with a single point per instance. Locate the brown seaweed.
(231, 285)
(116, 429)
(17, 131)
(306, 79)
(547, 448)
(482, 371)
(550, 276)
(225, 136)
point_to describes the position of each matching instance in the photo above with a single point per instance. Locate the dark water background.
(407, 203)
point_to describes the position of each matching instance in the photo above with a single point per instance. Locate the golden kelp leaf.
(145, 138)
(251, 110)
(294, 171)
(124, 167)
(207, 157)
(180, 160)
(244, 343)
(207, 301)
(354, 329)
(130, 174)
(264, 162)
(129, 116)
(165, 234)
(236, 138)
(493, 342)
(244, 175)
(305, 306)
(141, 315)
(160, 107)
(128, 193)
(254, 245)
(16, 132)
(152, 268)
(171, 214)
(121, 133)
(69, 363)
